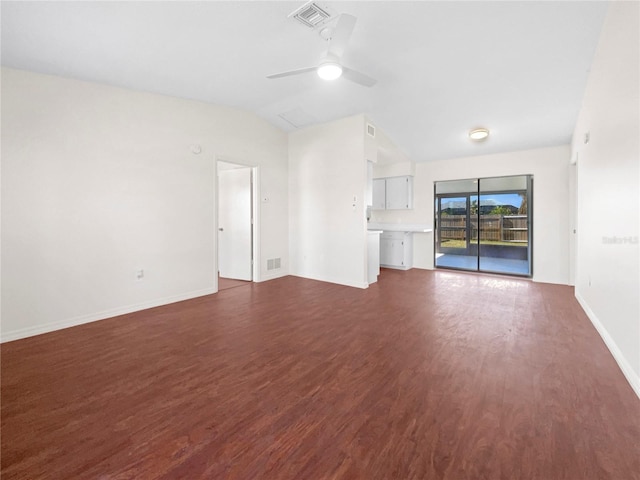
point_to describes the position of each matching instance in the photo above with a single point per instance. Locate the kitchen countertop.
(400, 227)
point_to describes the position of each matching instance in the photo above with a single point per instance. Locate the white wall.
(98, 182)
(550, 170)
(390, 160)
(327, 168)
(399, 169)
(608, 206)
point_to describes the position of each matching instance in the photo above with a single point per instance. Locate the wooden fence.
(499, 228)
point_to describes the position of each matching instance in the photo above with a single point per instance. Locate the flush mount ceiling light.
(329, 71)
(478, 134)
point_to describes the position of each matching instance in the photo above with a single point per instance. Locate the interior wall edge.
(625, 367)
(335, 281)
(266, 277)
(97, 316)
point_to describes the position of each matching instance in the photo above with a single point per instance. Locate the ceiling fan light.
(329, 71)
(478, 134)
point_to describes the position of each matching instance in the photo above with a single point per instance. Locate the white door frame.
(255, 207)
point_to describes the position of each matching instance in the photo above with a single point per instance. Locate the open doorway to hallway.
(235, 224)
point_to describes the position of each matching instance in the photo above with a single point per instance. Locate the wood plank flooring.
(226, 283)
(425, 375)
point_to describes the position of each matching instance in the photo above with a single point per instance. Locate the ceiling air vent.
(311, 15)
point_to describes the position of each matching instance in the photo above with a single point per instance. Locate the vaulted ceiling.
(518, 68)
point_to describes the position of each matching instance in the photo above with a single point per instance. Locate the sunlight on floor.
(487, 264)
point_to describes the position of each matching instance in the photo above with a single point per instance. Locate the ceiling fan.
(330, 67)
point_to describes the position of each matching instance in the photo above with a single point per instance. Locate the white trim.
(256, 225)
(333, 280)
(256, 195)
(627, 370)
(75, 321)
(272, 276)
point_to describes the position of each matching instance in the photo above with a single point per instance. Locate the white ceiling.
(518, 68)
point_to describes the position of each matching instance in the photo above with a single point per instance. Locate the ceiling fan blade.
(358, 77)
(341, 34)
(293, 72)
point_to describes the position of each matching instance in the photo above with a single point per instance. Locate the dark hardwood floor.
(226, 283)
(425, 375)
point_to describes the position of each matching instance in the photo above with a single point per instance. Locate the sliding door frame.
(437, 248)
(468, 219)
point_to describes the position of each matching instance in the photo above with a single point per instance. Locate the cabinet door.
(379, 193)
(386, 251)
(399, 193)
(392, 252)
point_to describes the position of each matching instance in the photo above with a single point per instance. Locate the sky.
(491, 199)
(500, 199)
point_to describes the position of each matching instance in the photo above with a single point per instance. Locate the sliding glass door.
(484, 225)
(454, 221)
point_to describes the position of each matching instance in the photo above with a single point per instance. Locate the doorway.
(485, 225)
(235, 224)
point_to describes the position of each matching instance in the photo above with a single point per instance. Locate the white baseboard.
(422, 267)
(337, 281)
(72, 322)
(631, 376)
(272, 276)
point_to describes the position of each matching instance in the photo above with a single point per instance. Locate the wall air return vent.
(371, 130)
(274, 263)
(311, 15)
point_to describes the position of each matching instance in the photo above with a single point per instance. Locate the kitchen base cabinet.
(396, 250)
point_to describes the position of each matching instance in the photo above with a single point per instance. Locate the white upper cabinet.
(379, 194)
(393, 193)
(399, 191)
